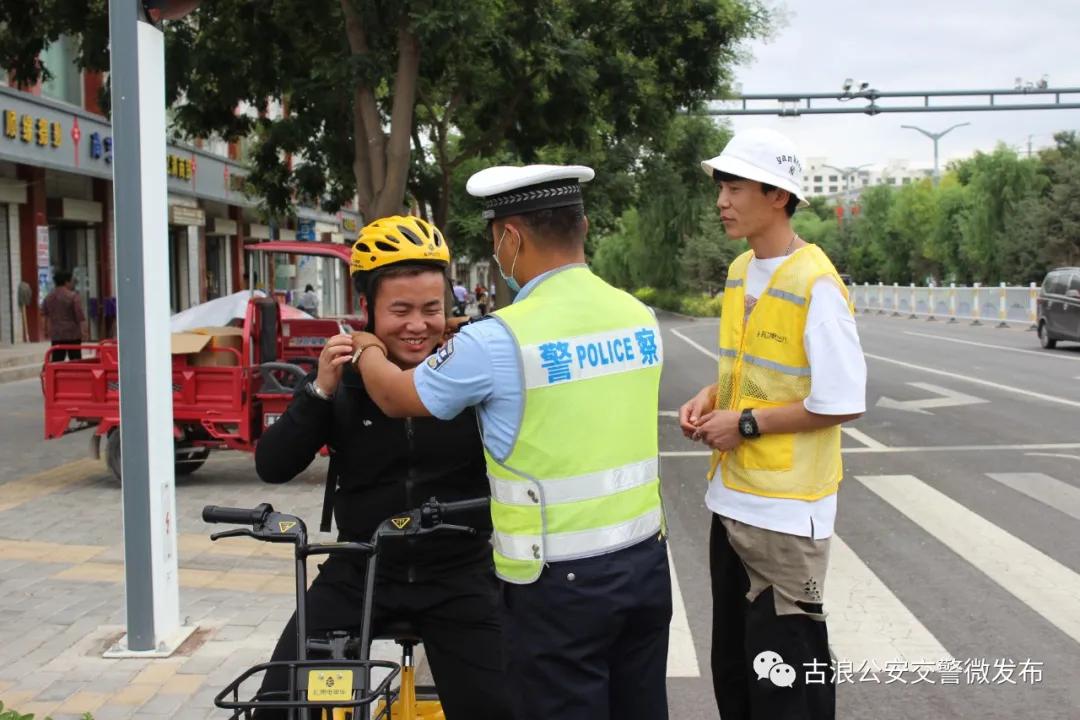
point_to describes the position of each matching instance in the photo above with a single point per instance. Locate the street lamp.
(140, 204)
(847, 173)
(935, 137)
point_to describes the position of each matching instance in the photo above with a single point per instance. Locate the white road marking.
(909, 449)
(668, 413)
(859, 436)
(681, 658)
(977, 381)
(1042, 353)
(1058, 455)
(691, 343)
(1042, 583)
(867, 622)
(946, 398)
(1047, 490)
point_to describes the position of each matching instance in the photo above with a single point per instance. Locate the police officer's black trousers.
(457, 618)
(743, 629)
(589, 639)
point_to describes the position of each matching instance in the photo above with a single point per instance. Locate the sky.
(915, 45)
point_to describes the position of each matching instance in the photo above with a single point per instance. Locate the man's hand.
(694, 409)
(337, 351)
(719, 430)
(453, 324)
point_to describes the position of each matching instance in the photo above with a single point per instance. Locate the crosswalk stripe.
(1045, 585)
(682, 658)
(867, 622)
(1045, 489)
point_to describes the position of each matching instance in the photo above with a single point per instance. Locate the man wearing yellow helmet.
(379, 466)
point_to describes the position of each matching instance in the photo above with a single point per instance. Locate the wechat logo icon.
(769, 664)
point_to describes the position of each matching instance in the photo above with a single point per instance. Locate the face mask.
(510, 281)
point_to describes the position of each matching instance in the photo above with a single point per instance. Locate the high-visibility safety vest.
(581, 478)
(763, 364)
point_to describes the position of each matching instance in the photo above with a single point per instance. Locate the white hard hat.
(763, 155)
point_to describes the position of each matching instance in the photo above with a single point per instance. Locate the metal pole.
(142, 286)
(935, 137)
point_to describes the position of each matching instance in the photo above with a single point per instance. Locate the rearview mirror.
(1073, 293)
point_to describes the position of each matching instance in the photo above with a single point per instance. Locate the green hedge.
(697, 305)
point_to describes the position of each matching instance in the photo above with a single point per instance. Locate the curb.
(19, 372)
(671, 313)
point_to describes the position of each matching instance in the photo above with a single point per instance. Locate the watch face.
(747, 427)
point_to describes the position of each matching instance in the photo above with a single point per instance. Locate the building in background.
(56, 151)
(822, 177)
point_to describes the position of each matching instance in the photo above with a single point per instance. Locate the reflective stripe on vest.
(583, 543)
(763, 364)
(577, 487)
(581, 478)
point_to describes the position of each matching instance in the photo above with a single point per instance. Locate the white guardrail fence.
(978, 304)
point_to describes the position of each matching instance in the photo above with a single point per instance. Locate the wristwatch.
(316, 392)
(748, 427)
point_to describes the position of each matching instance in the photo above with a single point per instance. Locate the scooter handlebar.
(236, 516)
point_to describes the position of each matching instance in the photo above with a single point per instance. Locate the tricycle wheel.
(190, 458)
(112, 452)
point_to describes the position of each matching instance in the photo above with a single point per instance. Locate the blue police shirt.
(479, 367)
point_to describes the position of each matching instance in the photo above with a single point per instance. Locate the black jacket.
(383, 466)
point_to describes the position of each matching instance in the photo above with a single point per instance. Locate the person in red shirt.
(65, 322)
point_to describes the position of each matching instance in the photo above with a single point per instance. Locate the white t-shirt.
(837, 387)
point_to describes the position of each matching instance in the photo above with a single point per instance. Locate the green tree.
(706, 255)
(942, 245)
(611, 260)
(912, 219)
(368, 84)
(997, 186)
(870, 236)
(1055, 231)
(672, 197)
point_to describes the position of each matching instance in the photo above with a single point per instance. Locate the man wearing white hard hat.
(791, 370)
(566, 384)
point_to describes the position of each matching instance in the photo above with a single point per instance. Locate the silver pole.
(935, 137)
(142, 287)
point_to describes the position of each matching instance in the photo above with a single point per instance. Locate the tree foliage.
(387, 99)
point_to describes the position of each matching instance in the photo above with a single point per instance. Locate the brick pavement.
(61, 592)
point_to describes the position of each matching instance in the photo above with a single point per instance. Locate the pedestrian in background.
(65, 321)
(791, 370)
(309, 301)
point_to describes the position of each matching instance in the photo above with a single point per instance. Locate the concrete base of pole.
(165, 648)
(953, 321)
(1002, 324)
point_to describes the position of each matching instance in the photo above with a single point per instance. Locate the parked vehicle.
(227, 388)
(1058, 307)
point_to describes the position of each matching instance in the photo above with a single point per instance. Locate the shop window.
(66, 81)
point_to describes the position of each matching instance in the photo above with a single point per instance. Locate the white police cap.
(513, 190)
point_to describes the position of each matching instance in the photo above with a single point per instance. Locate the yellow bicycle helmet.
(398, 238)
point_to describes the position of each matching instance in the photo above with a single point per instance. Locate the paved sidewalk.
(61, 592)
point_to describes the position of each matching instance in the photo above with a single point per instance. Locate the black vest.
(382, 466)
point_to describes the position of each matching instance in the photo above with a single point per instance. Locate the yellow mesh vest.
(763, 364)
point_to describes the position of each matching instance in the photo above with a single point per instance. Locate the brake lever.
(443, 527)
(235, 532)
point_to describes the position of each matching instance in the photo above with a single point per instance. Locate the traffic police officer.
(566, 383)
(790, 371)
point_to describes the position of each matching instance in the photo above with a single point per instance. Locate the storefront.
(186, 223)
(12, 195)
